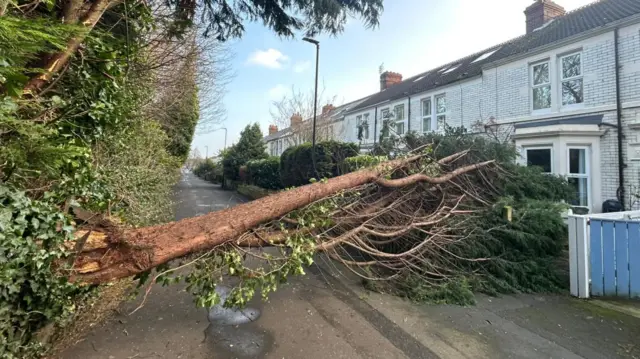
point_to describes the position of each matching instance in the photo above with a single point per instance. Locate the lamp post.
(225, 136)
(315, 94)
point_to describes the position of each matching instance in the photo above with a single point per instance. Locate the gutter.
(620, 193)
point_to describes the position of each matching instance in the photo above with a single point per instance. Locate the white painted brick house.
(567, 93)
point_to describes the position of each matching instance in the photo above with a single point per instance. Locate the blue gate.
(614, 257)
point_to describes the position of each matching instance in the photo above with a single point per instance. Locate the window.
(385, 114)
(399, 111)
(366, 126)
(540, 157)
(271, 151)
(541, 82)
(578, 175)
(485, 55)
(427, 115)
(441, 111)
(571, 75)
(451, 69)
(400, 128)
(279, 147)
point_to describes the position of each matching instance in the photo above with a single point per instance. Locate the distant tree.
(249, 147)
(301, 104)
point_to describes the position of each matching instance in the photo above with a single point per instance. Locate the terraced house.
(567, 93)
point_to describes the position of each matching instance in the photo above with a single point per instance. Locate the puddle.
(234, 333)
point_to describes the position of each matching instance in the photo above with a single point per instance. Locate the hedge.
(296, 163)
(265, 173)
(209, 171)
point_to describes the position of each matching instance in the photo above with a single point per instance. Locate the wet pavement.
(329, 315)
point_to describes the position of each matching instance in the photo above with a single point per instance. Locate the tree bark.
(118, 254)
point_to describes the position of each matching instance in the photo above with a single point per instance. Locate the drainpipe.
(375, 126)
(408, 115)
(621, 164)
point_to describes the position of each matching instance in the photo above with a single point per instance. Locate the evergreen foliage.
(297, 166)
(265, 173)
(527, 254)
(249, 147)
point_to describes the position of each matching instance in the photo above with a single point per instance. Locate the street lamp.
(315, 95)
(225, 136)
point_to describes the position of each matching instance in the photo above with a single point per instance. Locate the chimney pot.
(327, 108)
(541, 12)
(388, 79)
(273, 129)
(296, 119)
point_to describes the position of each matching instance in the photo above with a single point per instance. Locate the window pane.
(441, 104)
(399, 112)
(385, 113)
(541, 97)
(441, 121)
(426, 107)
(426, 124)
(580, 186)
(571, 66)
(572, 92)
(366, 131)
(400, 128)
(541, 74)
(577, 161)
(541, 158)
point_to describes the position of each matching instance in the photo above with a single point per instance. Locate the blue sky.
(414, 36)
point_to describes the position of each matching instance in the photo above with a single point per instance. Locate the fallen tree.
(110, 253)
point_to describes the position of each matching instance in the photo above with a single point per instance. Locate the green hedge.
(253, 192)
(209, 171)
(265, 173)
(296, 163)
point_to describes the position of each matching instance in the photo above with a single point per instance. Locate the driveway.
(327, 314)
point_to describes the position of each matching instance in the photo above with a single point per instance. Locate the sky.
(414, 36)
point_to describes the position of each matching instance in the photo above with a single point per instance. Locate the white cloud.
(270, 58)
(301, 66)
(278, 91)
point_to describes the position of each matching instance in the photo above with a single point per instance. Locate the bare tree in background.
(300, 104)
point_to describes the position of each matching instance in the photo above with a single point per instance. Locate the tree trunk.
(54, 63)
(119, 254)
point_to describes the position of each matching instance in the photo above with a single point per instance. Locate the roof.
(584, 19)
(336, 114)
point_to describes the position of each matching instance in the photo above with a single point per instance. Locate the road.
(323, 315)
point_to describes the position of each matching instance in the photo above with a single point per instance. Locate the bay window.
(541, 157)
(578, 174)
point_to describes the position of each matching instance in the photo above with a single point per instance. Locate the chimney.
(273, 129)
(327, 108)
(541, 12)
(388, 79)
(296, 119)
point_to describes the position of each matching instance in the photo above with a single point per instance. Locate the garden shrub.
(253, 192)
(265, 173)
(209, 171)
(297, 167)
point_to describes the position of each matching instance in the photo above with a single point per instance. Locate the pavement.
(328, 314)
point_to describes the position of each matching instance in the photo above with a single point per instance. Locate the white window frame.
(428, 117)
(563, 79)
(587, 169)
(437, 115)
(534, 86)
(395, 112)
(365, 119)
(539, 147)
